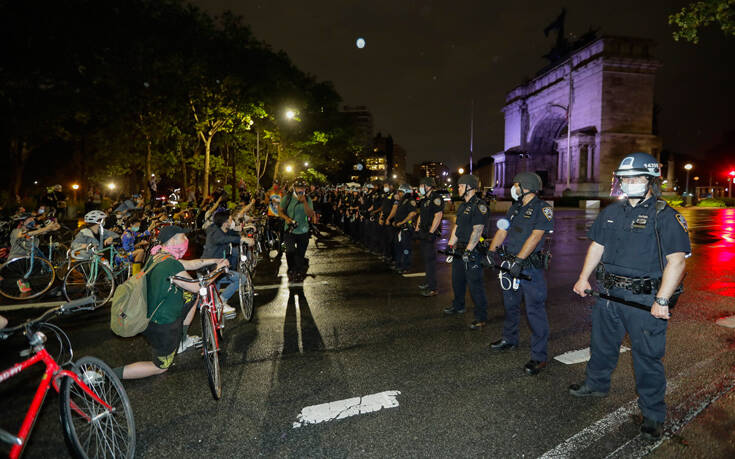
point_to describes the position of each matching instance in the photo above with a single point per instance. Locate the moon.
(360, 43)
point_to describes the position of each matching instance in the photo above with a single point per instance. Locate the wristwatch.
(662, 301)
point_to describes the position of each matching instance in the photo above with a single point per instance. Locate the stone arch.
(545, 133)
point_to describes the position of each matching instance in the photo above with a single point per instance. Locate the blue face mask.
(135, 228)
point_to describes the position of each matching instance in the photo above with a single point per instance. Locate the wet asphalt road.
(355, 328)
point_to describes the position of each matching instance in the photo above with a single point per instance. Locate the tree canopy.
(697, 15)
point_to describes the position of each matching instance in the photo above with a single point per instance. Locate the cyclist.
(26, 228)
(133, 242)
(220, 235)
(171, 304)
(91, 235)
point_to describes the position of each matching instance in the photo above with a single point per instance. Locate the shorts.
(165, 338)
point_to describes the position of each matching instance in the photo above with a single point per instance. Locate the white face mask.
(634, 190)
(386, 189)
(422, 190)
(514, 193)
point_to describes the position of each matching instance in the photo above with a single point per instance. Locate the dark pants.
(429, 254)
(610, 322)
(296, 245)
(464, 274)
(533, 293)
(386, 240)
(402, 249)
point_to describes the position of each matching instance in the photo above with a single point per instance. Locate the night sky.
(424, 62)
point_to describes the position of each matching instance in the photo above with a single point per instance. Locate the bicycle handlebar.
(201, 279)
(71, 306)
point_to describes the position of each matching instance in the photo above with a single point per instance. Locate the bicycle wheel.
(79, 282)
(90, 429)
(245, 292)
(60, 259)
(211, 353)
(23, 278)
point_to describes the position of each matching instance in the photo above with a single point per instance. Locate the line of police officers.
(638, 250)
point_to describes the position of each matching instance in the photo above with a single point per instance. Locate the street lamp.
(461, 170)
(290, 114)
(306, 163)
(75, 187)
(111, 186)
(289, 168)
(395, 176)
(688, 167)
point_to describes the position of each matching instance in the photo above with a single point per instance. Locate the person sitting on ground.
(171, 304)
(134, 244)
(90, 236)
(220, 235)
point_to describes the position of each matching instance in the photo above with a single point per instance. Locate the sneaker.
(92, 377)
(227, 309)
(583, 390)
(477, 325)
(651, 430)
(24, 287)
(430, 293)
(451, 311)
(188, 343)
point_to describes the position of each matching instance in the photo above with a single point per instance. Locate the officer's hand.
(660, 312)
(515, 268)
(466, 256)
(581, 286)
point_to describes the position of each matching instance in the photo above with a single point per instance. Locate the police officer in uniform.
(466, 265)
(431, 210)
(638, 251)
(519, 242)
(403, 222)
(388, 209)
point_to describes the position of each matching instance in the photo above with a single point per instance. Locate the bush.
(674, 200)
(710, 202)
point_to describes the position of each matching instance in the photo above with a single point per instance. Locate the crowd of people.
(637, 253)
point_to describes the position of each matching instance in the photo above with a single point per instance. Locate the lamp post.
(688, 167)
(75, 187)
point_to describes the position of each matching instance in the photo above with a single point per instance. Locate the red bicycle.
(213, 322)
(95, 412)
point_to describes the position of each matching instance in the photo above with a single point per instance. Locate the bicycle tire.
(245, 293)
(211, 353)
(108, 435)
(76, 286)
(38, 280)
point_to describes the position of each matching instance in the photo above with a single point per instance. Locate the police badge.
(548, 213)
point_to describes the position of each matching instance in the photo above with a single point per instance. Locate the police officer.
(519, 243)
(388, 209)
(638, 250)
(403, 222)
(466, 265)
(431, 210)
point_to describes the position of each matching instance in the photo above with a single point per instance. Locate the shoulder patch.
(682, 222)
(548, 213)
(482, 208)
(438, 201)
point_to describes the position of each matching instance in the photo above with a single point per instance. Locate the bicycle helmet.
(405, 188)
(95, 217)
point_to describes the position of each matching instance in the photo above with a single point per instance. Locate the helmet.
(638, 164)
(405, 188)
(427, 181)
(299, 183)
(95, 216)
(369, 186)
(472, 180)
(528, 181)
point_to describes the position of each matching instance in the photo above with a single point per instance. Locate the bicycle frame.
(50, 377)
(206, 306)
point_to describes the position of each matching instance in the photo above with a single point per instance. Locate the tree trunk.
(183, 168)
(235, 184)
(278, 163)
(148, 170)
(207, 150)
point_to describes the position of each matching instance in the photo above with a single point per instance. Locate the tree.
(700, 14)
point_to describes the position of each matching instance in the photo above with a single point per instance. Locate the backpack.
(129, 310)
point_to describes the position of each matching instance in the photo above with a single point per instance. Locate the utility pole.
(472, 131)
(569, 126)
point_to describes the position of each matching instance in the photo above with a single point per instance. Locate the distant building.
(363, 120)
(435, 169)
(398, 163)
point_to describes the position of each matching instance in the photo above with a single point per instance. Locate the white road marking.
(291, 284)
(341, 409)
(580, 355)
(414, 275)
(16, 307)
(728, 322)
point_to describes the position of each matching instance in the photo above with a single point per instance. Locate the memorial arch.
(609, 86)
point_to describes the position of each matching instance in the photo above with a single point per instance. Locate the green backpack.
(129, 311)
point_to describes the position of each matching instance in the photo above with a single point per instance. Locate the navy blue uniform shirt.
(430, 205)
(407, 205)
(536, 215)
(469, 214)
(629, 237)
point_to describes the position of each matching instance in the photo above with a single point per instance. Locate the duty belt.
(637, 285)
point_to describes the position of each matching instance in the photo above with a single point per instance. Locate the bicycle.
(95, 412)
(24, 278)
(96, 276)
(245, 288)
(210, 307)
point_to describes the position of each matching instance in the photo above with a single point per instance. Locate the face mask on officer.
(422, 190)
(634, 190)
(386, 189)
(515, 194)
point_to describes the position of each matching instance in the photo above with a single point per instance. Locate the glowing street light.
(75, 187)
(306, 163)
(290, 114)
(395, 176)
(289, 168)
(461, 170)
(111, 186)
